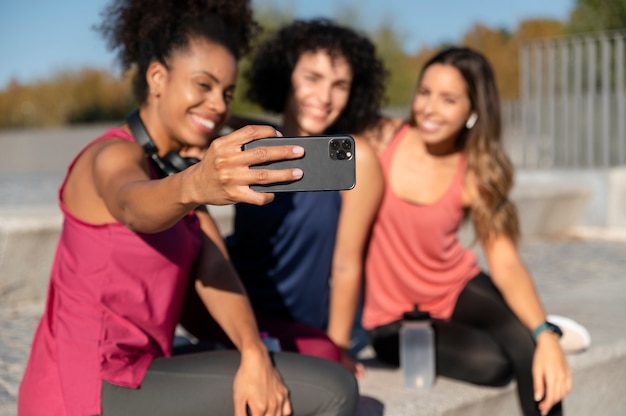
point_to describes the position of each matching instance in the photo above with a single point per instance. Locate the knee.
(494, 374)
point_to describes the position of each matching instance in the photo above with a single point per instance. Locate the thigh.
(318, 386)
(470, 354)
(187, 384)
(462, 352)
(200, 384)
(480, 305)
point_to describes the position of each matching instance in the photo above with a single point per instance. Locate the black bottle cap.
(416, 315)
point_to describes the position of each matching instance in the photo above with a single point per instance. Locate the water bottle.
(417, 350)
(272, 344)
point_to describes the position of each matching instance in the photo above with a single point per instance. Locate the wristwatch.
(547, 326)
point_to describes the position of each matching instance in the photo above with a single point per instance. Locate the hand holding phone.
(328, 163)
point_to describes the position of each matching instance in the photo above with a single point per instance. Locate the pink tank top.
(113, 303)
(414, 255)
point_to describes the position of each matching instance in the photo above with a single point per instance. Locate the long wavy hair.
(493, 213)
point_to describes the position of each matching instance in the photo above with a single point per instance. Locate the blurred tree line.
(96, 95)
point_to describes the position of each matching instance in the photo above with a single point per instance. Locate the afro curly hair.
(143, 31)
(273, 62)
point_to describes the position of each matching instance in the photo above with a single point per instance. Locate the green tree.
(86, 95)
(597, 15)
(402, 72)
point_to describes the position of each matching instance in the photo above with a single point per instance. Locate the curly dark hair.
(143, 31)
(269, 74)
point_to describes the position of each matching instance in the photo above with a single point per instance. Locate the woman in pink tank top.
(445, 162)
(136, 237)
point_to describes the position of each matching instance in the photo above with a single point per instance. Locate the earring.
(471, 121)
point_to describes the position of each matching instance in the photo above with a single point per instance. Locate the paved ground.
(563, 270)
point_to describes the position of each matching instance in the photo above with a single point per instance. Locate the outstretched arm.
(222, 177)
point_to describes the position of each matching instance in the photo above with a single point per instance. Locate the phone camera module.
(340, 149)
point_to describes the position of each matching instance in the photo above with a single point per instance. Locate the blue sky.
(41, 37)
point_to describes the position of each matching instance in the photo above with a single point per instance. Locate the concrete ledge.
(28, 240)
(546, 209)
(599, 384)
(616, 210)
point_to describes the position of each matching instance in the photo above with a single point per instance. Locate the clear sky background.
(41, 37)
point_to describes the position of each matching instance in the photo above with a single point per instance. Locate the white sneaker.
(575, 337)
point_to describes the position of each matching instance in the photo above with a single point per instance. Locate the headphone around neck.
(167, 165)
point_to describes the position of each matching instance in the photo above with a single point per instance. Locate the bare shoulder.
(368, 169)
(379, 135)
(117, 153)
(365, 152)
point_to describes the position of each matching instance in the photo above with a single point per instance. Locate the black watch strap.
(546, 326)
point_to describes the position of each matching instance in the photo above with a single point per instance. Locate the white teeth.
(317, 112)
(429, 124)
(209, 124)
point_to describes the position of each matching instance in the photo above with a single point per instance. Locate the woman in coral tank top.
(447, 162)
(135, 238)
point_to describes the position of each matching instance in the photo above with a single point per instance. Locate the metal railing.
(572, 110)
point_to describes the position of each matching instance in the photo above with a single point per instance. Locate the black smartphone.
(328, 163)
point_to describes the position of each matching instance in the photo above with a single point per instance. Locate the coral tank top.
(415, 256)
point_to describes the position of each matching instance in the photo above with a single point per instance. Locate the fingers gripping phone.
(328, 163)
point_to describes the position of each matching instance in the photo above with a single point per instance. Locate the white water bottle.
(417, 350)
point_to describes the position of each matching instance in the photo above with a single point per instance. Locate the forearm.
(344, 297)
(222, 292)
(151, 206)
(231, 310)
(524, 301)
(513, 280)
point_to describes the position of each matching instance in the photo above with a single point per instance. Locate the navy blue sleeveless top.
(283, 253)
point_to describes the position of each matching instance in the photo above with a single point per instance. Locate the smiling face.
(441, 105)
(320, 92)
(192, 95)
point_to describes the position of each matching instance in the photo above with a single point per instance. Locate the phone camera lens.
(346, 145)
(341, 155)
(334, 144)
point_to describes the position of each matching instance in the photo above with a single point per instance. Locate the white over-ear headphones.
(471, 121)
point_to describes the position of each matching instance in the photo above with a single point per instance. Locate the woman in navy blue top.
(301, 256)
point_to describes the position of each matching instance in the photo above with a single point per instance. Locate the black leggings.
(483, 343)
(202, 384)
